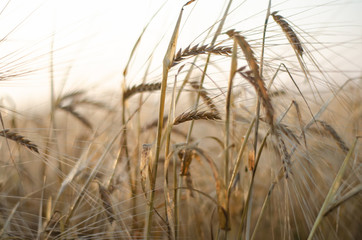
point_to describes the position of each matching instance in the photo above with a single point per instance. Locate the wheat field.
(241, 133)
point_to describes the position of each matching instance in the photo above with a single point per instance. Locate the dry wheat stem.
(167, 63)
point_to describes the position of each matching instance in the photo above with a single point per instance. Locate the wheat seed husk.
(143, 87)
(260, 89)
(19, 139)
(332, 132)
(196, 115)
(205, 97)
(289, 33)
(107, 202)
(84, 120)
(196, 50)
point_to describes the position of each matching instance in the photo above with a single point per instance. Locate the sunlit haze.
(91, 40)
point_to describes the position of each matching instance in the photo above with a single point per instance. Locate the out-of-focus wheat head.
(86, 169)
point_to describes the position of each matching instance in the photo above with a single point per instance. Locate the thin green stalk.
(331, 193)
(236, 166)
(337, 203)
(135, 169)
(266, 200)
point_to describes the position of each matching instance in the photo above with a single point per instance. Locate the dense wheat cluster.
(243, 135)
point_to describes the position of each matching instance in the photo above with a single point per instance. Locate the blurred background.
(85, 44)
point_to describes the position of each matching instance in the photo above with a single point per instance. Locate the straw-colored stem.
(227, 111)
(248, 204)
(168, 143)
(167, 63)
(256, 131)
(240, 154)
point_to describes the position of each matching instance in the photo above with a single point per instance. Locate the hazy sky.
(93, 39)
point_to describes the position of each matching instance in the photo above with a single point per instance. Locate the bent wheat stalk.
(289, 33)
(254, 76)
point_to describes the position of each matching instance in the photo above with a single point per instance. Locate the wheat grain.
(290, 34)
(286, 158)
(107, 202)
(144, 87)
(196, 115)
(330, 130)
(19, 139)
(284, 128)
(196, 50)
(248, 52)
(70, 109)
(260, 89)
(203, 93)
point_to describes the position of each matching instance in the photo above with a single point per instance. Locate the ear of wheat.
(289, 33)
(144, 87)
(203, 93)
(260, 89)
(70, 109)
(196, 115)
(333, 133)
(19, 139)
(196, 50)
